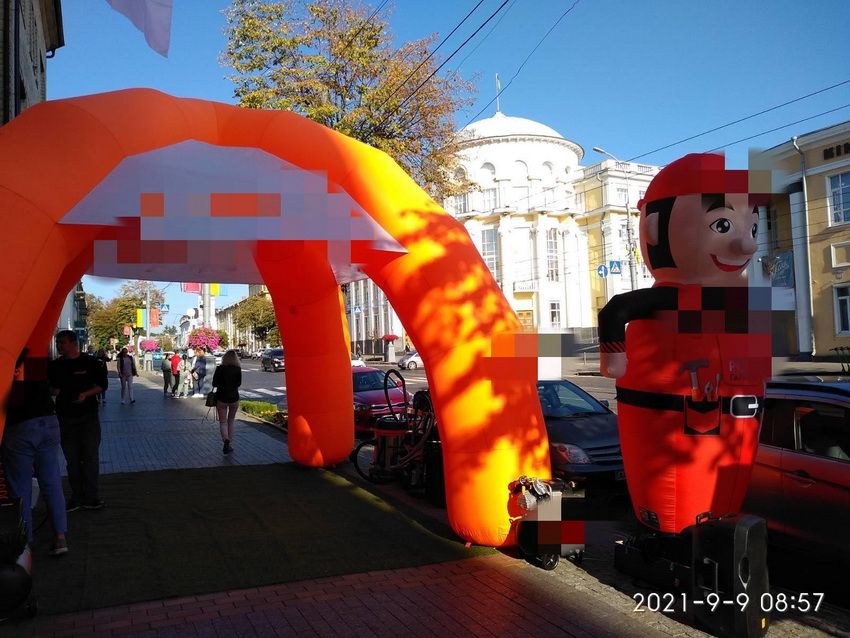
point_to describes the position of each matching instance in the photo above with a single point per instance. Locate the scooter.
(542, 533)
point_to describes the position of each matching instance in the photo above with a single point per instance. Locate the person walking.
(126, 372)
(165, 367)
(103, 358)
(31, 443)
(75, 379)
(175, 372)
(199, 371)
(226, 381)
(185, 377)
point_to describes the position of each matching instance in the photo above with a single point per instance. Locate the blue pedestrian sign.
(615, 267)
(164, 308)
(602, 271)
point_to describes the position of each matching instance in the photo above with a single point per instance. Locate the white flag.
(151, 17)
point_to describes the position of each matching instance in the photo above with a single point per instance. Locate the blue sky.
(630, 76)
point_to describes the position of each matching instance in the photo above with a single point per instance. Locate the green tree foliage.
(138, 290)
(257, 315)
(223, 340)
(327, 61)
(109, 321)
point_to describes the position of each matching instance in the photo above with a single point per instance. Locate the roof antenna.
(498, 92)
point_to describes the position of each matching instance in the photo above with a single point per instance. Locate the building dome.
(501, 126)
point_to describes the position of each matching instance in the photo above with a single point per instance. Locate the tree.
(257, 315)
(139, 290)
(109, 321)
(222, 338)
(335, 63)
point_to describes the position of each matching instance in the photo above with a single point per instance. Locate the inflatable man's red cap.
(696, 173)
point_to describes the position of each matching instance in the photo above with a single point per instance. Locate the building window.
(641, 194)
(842, 309)
(490, 250)
(622, 195)
(491, 199)
(839, 191)
(552, 265)
(555, 314)
(461, 204)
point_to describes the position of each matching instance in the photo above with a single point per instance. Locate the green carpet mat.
(187, 532)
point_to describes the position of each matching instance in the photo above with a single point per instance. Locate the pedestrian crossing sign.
(614, 267)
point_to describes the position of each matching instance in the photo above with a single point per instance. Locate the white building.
(544, 224)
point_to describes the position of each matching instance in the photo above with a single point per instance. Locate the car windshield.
(274, 353)
(370, 380)
(561, 398)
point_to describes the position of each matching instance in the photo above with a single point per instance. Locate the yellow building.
(814, 224)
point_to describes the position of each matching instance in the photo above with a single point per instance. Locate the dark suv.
(801, 477)
(272, 360)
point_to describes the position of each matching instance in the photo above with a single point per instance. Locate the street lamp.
(632, 264)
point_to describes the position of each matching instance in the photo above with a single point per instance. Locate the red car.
(369, 399)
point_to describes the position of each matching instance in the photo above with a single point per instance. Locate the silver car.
(410, 361)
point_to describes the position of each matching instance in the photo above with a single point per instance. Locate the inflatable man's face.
(698, 223)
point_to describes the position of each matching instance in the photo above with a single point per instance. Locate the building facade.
(810, 237)
(30, 31)
(555, 235)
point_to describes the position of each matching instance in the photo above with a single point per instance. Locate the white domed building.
(538, 219)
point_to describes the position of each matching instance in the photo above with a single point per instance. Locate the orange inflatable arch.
(142, 185)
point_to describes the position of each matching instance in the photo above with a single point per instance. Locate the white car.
(218, 356)
(410, 361)
(357, 362)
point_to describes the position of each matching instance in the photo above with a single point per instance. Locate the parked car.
(357, 362)
(801, 477)
(370, 402)
(410, 361)
(218, 356)
(272, 360)
(258, 354)
(584, 443)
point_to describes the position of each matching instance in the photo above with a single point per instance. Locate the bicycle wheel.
(363, 458)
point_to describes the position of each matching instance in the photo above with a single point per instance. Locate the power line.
(743, 119)
(778, 128)
(527, 58)
(430, 55)
(437, 70)
(486, 35)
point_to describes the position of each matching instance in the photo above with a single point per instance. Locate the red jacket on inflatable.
(692, 353)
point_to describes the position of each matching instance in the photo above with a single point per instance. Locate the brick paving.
(498, 595)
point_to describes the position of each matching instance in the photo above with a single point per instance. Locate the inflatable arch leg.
(316, 355)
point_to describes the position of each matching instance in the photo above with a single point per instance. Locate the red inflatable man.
(692, 353)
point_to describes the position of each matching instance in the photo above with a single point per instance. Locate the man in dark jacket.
(76, 379)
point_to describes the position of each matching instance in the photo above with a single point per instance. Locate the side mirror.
(604, 402)
(398, 384)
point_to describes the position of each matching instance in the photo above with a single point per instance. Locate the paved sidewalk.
(497, 595)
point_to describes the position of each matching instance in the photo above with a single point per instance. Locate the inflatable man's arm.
(637, 304)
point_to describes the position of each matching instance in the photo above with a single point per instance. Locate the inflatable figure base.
(715, 569)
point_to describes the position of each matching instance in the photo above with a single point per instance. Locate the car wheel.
(411, 365)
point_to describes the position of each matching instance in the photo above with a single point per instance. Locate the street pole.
(205, 300)
(629, 235)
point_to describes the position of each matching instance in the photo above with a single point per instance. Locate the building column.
(802, 276)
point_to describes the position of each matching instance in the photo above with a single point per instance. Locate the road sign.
(615, 267)
(163, 308)
(602, 271)
(358, 309)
